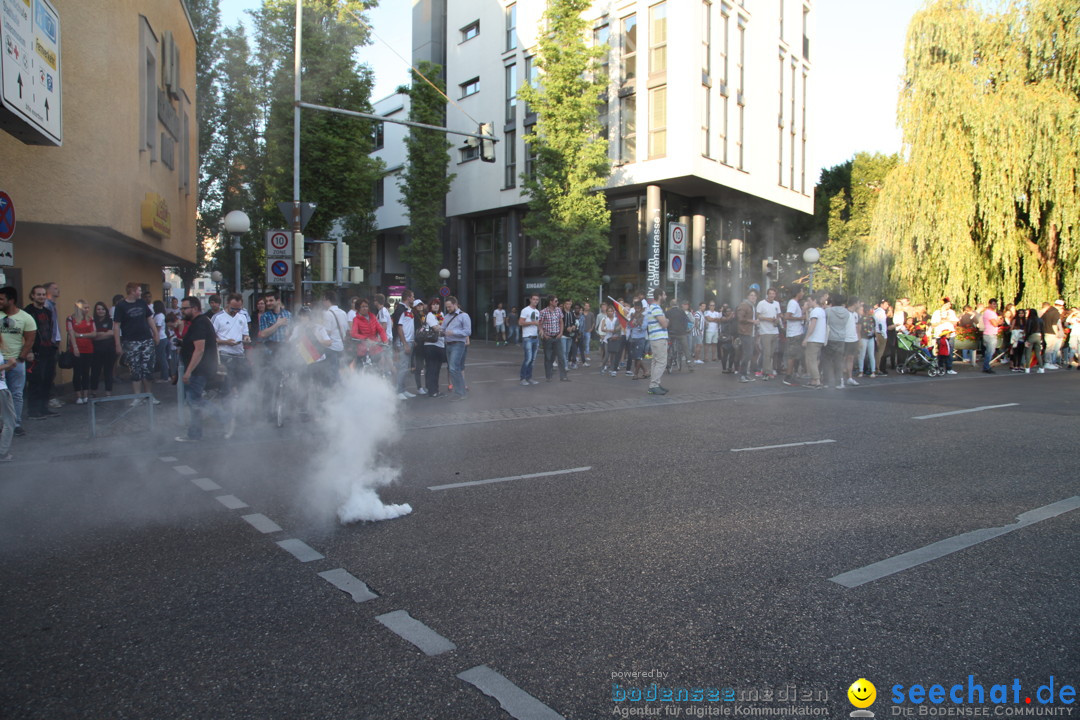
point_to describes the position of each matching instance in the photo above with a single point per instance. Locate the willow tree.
(568, 211)
(986, 202)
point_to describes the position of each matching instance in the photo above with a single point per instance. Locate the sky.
(857, 52)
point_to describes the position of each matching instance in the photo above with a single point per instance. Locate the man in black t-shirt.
(136, 336)
(41, 362)
(198, 353)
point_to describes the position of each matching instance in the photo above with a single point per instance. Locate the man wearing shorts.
(134, 320)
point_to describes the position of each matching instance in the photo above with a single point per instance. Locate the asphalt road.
(682, 551)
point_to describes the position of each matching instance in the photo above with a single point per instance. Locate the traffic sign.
(7, 254)
(288, 211)
(7, 216)
(30, 71)
(444, 291)
(676, 251)
(278, 243)
(279, 271)
(676, 267)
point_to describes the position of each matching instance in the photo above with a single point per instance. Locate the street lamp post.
(840, 270)
(811, 256)
(216, 277)
(604, 280)
(237, 223)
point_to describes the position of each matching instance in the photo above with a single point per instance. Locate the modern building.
(706, 121)
(389, 272)
(103, 182)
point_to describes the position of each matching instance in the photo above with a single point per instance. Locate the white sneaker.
(1041, 371)
(403, 396)
(136, 402)
(852, 382)
(408, 394)
(950, 372)
(525, 383)
(56, 404)
(1027, 371)
(422, 391)
(1051, 366)
(699, 362)
(155, 400)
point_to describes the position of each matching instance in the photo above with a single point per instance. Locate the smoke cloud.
(358, 419)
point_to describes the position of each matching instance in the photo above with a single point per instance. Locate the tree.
(986, 202)
(206, 18)
(845, 203)
(425, 182)
(568, 211)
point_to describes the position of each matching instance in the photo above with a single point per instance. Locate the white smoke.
(357, 419)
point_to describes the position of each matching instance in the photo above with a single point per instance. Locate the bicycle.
(375, 360)
(677, 361)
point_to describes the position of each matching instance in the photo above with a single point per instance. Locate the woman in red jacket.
(366, 329)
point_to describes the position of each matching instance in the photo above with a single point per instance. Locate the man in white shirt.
(529, 322)
(768, 313)
(499, 317)
(795, 329)
(404, 340)
(337, 327)
(231, 327)
(817, 333)
(382, 314)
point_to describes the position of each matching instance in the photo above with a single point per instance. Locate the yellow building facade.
(116, 200)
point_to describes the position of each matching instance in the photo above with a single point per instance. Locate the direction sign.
(7, 216)
(278, 243)
(30, 71)
(7, 254)
(279, 271)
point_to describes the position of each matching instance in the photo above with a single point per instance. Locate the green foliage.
(425, 182)
(845, 203)
(568, 211)
(246, 126)
(986, 202)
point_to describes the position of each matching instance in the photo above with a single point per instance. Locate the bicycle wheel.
(279, 403)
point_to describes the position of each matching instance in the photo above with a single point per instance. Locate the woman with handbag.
(80, 337)
(434, 347)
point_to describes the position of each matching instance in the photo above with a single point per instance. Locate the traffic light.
(487, 147)
(326, 261)
(772, 269)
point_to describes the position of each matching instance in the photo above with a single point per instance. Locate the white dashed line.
(232, 502)
(343, 580)
(416, 632)
(184, 469)
(786, 445)
(962, 412)
(508, 479)
(205, 484)
(167, 459)
(518, 703)
(300, 550)
(890, 566)
(262, 523)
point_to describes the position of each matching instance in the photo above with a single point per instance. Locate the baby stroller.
(918, 358)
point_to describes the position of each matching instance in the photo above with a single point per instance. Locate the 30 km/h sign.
(279, 271)
(279, 243)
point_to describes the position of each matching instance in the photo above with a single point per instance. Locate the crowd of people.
(819, 340)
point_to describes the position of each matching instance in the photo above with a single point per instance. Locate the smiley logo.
(862, 693)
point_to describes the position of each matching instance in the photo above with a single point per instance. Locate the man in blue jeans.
(529, 322)
(456, 329)
(199, 356)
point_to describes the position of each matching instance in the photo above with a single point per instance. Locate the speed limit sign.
(279, 243)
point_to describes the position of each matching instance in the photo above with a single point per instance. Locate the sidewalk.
(491, 373)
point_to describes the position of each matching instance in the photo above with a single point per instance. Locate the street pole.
(298, 257)
(236, 248)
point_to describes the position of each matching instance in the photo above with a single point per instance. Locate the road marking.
(416, 632)
(300, 550)
(785, 445)
(451, 486)
(232, 502)
(899, 563)
(518, 703)
(184, 469)
(962, 412)
(262, 523)
(343, 580)
(205, 484)
(167, 459)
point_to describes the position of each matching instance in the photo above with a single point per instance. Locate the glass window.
(628, 134)
(658, 38)
(629, 48)
(380, 138)
(531, 152)
(470, 152)
(725, 23)
(379, 196)
(511, 92)
(470, 31)
(532, 77)
(470, 87)
(511, 27)
(510, 153)
(658, 121)
(706, 150)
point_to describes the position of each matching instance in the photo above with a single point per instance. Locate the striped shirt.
(652, 317)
